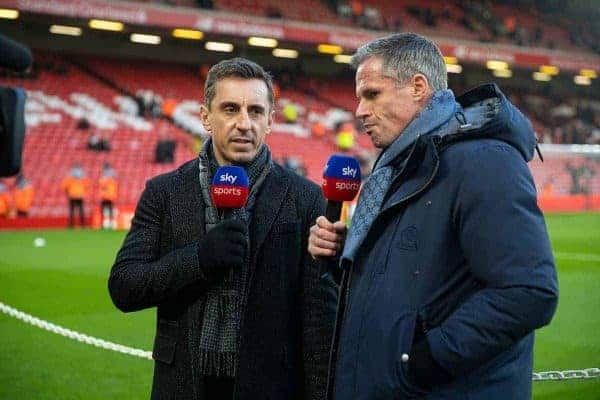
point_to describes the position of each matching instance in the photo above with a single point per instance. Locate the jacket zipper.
(413, 194)
(340, 320)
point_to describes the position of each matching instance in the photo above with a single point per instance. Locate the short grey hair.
(236, 68)
(404, 55)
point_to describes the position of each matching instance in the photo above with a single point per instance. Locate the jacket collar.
(267, 207)
(417, 174)
(186, 203)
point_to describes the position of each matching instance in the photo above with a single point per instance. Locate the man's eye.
(229, 109)
(371, 94)
(256, 111)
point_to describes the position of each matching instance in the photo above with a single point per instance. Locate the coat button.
(404, 357)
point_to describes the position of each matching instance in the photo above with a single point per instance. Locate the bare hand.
(326, 238)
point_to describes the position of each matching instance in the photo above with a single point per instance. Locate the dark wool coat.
(288, 321)
(459, 256)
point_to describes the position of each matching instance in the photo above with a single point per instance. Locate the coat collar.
(267, 207)
(419, 171)
(186, 203)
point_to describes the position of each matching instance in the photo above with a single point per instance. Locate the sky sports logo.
(229, 187)
(228, 178)
(347, 185)
(227, 191)
(349, 171)
(341, 178)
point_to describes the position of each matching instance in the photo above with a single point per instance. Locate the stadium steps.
(51, 149)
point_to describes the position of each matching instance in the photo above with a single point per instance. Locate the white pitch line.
(578, 256)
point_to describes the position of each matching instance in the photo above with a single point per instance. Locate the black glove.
(222, 248)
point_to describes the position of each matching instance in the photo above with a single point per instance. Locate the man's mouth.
(241, 140)
(369, 128)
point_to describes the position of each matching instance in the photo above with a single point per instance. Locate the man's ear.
(270, 121)
(420, 87)
(205, 117)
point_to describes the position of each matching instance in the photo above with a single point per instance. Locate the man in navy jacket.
(447, 265)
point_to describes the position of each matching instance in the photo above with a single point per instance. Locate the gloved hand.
(222, 248)
(423, 369)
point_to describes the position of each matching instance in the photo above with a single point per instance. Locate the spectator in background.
(580, 177)
(164, 152)
(290, 113)
(75, 187)
(207, 4)
(358, 9)
(345, 137)
(98, 142)
(23, 194)
(294, 164)
(83, 124)
(149, 103)
(318, 130)
(109, 189)
(273, 12)
(548, 187)
(5, 201)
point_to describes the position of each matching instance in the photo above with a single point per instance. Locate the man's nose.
(361, 110)
(243, 122)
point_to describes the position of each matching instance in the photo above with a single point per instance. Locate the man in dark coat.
(241, 311)
(447, 265)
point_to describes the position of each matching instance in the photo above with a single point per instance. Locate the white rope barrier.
(588, 373)
(80, 337)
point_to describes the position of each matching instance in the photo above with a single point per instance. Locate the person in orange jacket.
(23, 196)
(5, 201)
(109, 189)
(75, 186)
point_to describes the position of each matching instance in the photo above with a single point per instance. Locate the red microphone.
(341, 182)
(229, 188)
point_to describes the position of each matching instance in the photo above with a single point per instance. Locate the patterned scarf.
(224, 303)
(436, 118)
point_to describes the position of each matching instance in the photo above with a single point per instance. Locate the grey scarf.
(435, 119)
(224, 302)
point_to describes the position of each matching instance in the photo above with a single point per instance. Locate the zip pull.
(462, 120)
(539, 152)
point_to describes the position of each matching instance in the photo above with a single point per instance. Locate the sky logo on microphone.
(349, 171)
(228, 178)
(229, 188)
(341, 178)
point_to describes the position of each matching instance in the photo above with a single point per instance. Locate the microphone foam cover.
(341, 178)
(229, 188)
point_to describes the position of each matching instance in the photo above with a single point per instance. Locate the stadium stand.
(176, 81)
(132, 149)
(309, 10)
(62, 91)
(468, 20)
(53, 141)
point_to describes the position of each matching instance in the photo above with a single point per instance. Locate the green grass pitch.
(65, 283)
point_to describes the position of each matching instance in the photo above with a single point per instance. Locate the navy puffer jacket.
(456, 270)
